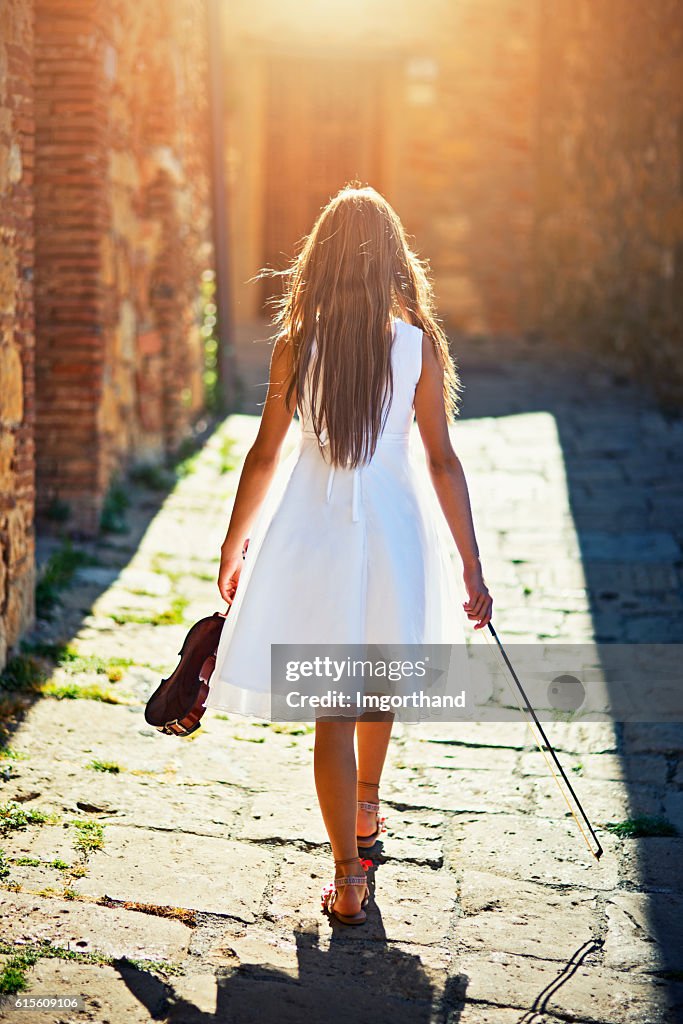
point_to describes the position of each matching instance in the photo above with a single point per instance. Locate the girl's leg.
(334, 765)
(373, 741)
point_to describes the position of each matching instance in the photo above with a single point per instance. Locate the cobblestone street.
(487, 907)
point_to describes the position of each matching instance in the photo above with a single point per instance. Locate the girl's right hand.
(480, 601)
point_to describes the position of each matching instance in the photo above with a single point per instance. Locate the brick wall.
(610, 183)
(17, 576)
(122, 224)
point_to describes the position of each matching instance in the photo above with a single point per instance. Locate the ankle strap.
(367, 806)
(351, 880)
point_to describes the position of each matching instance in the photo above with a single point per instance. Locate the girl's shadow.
(360, 978)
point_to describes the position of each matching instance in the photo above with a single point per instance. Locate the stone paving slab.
(424, 754)
(590, 993)
(179, 869)
(521, 917)
(89, 928)
(282, 821)
(460, 791)
(524, 847)
(608, 801)
(655, 865)
(648, 769)
(125, 798)
(495, 735)
(673, 809)
(632, 942)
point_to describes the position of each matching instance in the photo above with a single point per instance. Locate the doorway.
(323, 128)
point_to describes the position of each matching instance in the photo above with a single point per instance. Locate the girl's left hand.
(229, 574)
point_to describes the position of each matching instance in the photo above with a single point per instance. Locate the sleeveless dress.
(343, 556)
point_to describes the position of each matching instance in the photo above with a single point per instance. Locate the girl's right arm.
(449, 481)
(258, 470)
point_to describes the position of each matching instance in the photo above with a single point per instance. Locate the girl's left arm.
(258, 469)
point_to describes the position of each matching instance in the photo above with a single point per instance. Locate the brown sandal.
(330, 891)
(367, 842)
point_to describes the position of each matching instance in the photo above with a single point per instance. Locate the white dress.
(342, 556)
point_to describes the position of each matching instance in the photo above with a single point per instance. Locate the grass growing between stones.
(35, 862)
(152, 476)
(116, 502)
(87, 691)
(206, 577)
(14, 976)
(7, 753)
(4, 865)
(57, 573)
(173, 616)
(68, 657)
(641, 828)
(72, 870)
(72, 661)
(89, 836)
(104, 766)
(228, 461)
(14, 815)
(22, 674)
(181, 914)
(189, 460)
(291, 729)
(29, 674)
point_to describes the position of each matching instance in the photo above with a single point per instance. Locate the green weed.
(228, 461)
(4, 865)
(641, 827)
(113, 515)
(13, 755)
(88, 691)
(14, 815)
(14, 974)
(173, 616)
(89, 836)
(22, 674)
(104, 766)
(153, 476)
(57, 573)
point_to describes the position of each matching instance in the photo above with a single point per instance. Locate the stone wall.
(609, 199)
(122, 224)
(17, 495)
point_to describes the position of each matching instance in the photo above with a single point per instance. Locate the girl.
(344, 543)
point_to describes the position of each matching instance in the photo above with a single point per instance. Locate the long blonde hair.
(353, 272)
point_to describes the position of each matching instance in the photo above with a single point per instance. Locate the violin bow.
(546, 748)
